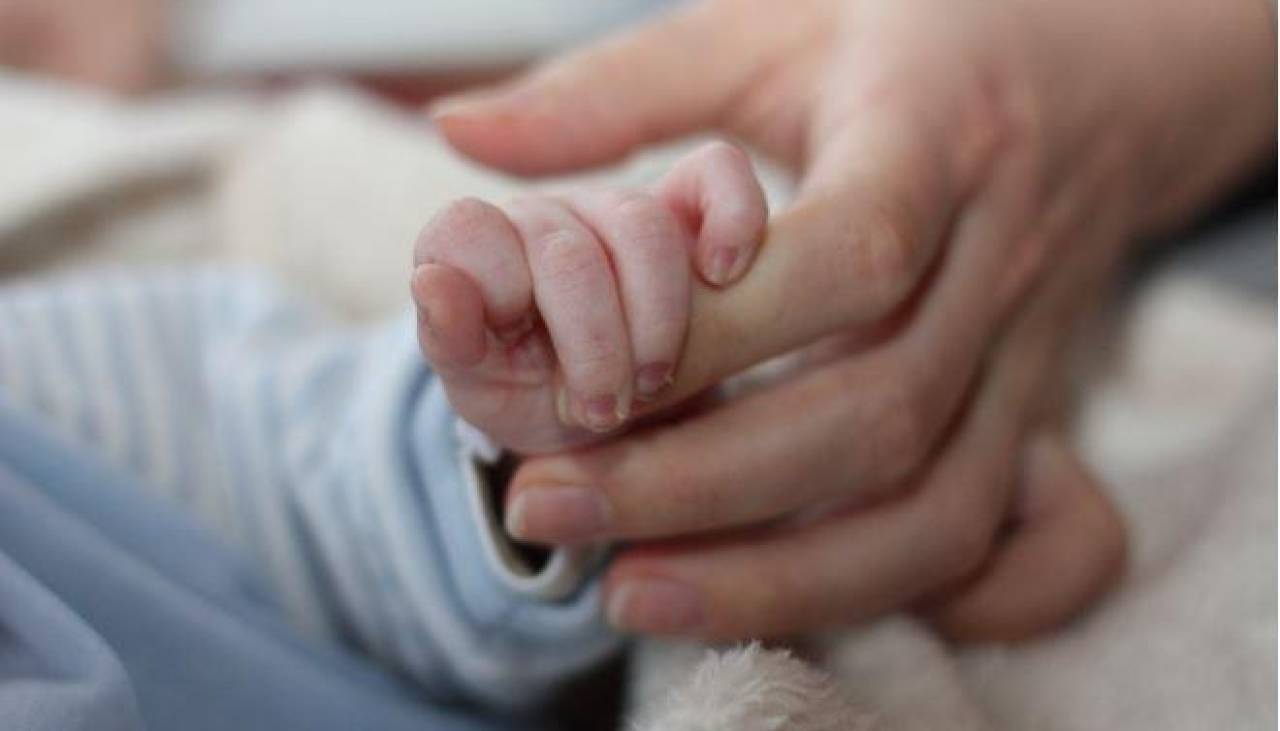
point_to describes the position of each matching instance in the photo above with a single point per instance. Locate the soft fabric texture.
(327, 454)
(1182, 426)
(327, 189)
(753, 689)
(120, 613)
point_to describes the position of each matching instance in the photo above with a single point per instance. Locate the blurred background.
(145, 130)
(390, 39)
(416, 46)
(288, 135)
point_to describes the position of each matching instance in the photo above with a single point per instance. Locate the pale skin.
(555, 318)
(970, 175)
(516, 303)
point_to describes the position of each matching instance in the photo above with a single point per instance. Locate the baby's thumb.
(666, 78)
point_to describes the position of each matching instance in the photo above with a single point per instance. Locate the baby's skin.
(553, 319)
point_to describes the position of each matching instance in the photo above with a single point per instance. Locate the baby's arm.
(328, 455)
(554, 319)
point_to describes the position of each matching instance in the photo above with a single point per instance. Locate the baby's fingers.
(476, 238)
(451, 328)
(574, 288)
(650, 253)
(716, 192)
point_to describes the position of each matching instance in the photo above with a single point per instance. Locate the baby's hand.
(547, 318)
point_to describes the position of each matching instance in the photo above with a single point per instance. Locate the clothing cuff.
(526, 570)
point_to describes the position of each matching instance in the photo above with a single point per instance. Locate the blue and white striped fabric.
(328, 453)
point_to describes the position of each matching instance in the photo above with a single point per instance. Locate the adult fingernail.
(562, 514)
(482, 101)
(461, 105)
(724, 265)
(659, 606)
(652, 379)
(603, 413)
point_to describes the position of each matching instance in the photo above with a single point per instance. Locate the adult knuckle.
(893, 249)
(883, 254)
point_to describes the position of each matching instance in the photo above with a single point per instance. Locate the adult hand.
(969, 175)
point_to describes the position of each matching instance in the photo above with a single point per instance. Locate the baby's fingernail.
(603, 413)
(724, 265)
(562, 408)
(659, 606)
(558, 515)
(653, 378)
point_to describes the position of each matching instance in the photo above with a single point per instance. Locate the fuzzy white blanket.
(328, 189)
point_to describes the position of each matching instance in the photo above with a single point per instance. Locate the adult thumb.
(668, 77)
